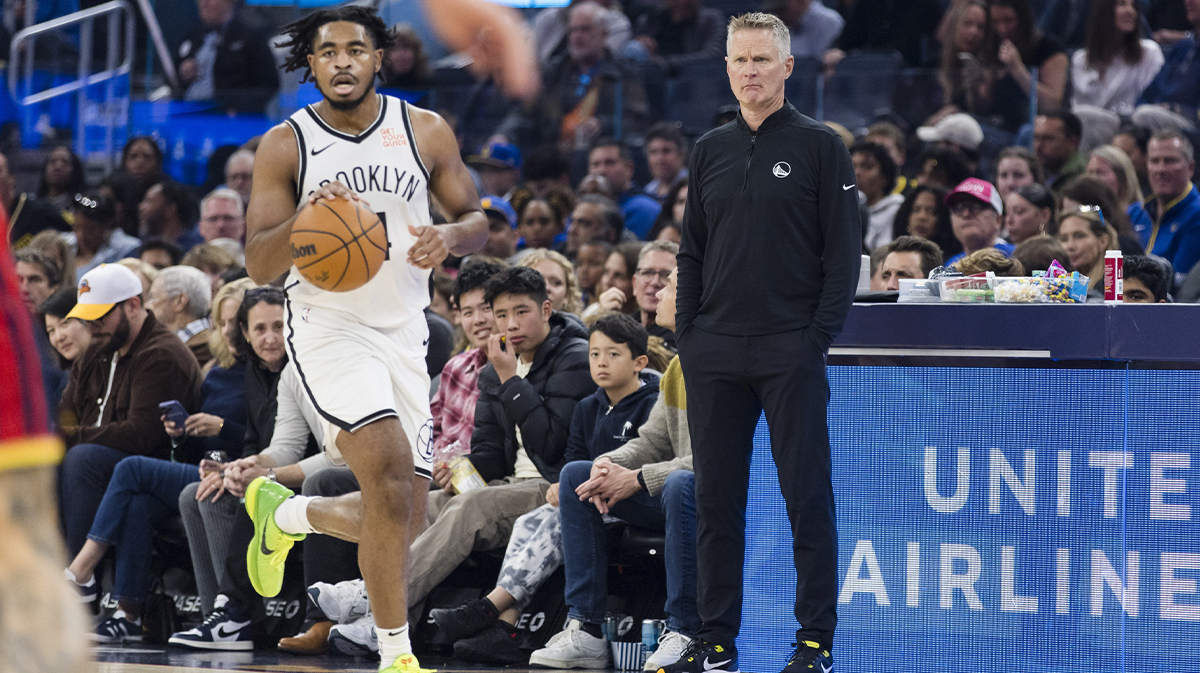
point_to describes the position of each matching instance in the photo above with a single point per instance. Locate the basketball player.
(360, 354)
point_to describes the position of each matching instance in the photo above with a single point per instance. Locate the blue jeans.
(585, 557)
(142, 493)
(82, 480)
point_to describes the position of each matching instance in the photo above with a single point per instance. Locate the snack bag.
(463, 475)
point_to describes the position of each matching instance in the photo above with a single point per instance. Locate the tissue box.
(628, 656)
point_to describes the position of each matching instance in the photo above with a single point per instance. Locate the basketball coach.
(767, 272)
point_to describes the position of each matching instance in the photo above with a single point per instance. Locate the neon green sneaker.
(269, 548)
(407, 663)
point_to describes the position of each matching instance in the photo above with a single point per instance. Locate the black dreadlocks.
(300, 34)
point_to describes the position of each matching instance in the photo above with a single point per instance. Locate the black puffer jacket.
(542, 404)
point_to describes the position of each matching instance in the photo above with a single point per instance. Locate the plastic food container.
(967, 290)
(1039, 290)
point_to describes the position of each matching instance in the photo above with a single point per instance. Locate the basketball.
(338, 245)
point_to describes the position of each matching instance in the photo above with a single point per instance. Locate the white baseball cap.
(102, 288)
(958, 128)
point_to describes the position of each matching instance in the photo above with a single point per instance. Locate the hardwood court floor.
(155, 659)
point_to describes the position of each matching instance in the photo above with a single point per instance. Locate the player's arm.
(272, 208)
(451, 184)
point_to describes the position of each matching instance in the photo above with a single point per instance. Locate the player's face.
(344, 62)
(475, 317)
(523, 323)
(757, 70)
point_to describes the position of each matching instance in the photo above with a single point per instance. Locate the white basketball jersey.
(383, 167)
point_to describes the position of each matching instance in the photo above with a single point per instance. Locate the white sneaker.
(671, 645)
(356, 639)
(342, 603)
(572, 648)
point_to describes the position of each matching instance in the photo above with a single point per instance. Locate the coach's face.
(344, 61)
(757, 69)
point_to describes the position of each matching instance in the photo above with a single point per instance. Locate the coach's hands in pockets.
(503, 359)
(609, 484)
(431, 248)
(331, 191)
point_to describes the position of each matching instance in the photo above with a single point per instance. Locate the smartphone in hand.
(174, 412)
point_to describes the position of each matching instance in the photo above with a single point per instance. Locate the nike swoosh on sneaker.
(709, 665)
(221, 633)
(826, 670)
(262, 545)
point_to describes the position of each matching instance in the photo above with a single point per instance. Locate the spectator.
(1177, 84)
(1116, 65)
(875, 173)
(27, 216)
(596, 185)
(227, 59)
(1089, 191)
(906, 26)
(656, 261)
(975, 214)
(239, 174)
(126, 194)
(1022, 47)
(889, 136)
(968, 56)
(580, 98)
(589, 266)
(1086, 237)
(38, 277)
(55, 244)
(546, 168)
(1170, 226)
(613, 160)
(603, 421)
(877, 256)
(666, 152)
(670, 218)
(166, 213)
(502, 228)
(541, 220)
(142, 160)
(442, 301)
(109, 410)
(562, 287)
(499, 166)
(681, 32)
(94, 238)
(1147, 281)
(989, 259)
(813, 26)
(595, 218)
(551, 30)
(1015, 168)
(1038, 252)
(924, 213)
(1133, 141)
(956, 131)
(1029, 212)
(211, 260)
(1167, 19)
(909, 257)
(1112, 167)
(528, 393)
(62, 179)
(225, 304)
(222, 216)
(180, 298)
(160, 254)
(615, 291)
(405, 63)
(943, 168)
(1056, 143)
(70, 337)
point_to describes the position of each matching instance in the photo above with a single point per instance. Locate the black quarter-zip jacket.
(771, 234)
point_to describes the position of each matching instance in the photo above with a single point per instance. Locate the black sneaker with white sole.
(702, 656)
(495, 646)
(809, 657)
(221, 631)
(117, 629)
(466, 620)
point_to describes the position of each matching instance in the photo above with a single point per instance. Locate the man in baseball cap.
(499, 166)
(502, 228)
(957, 131)
(975, 213)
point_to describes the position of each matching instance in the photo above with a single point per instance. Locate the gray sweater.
(663, 444)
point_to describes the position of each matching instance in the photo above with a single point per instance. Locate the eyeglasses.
(967, 208)
(650, 274)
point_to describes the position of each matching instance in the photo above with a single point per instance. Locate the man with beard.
(110, 408)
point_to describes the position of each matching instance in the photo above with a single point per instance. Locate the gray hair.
(243, 152)
(227, 194)
(1185, 145)
(762, 21)
(190, 282)
(670, 247)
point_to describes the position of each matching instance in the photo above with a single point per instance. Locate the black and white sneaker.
(356, 639)
(118, 629)
(495, 646)
(467, 620)
(88, 591)
(218, 632)
(809, 657)
(701, 656)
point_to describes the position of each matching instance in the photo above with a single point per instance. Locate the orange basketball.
(338, 245)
